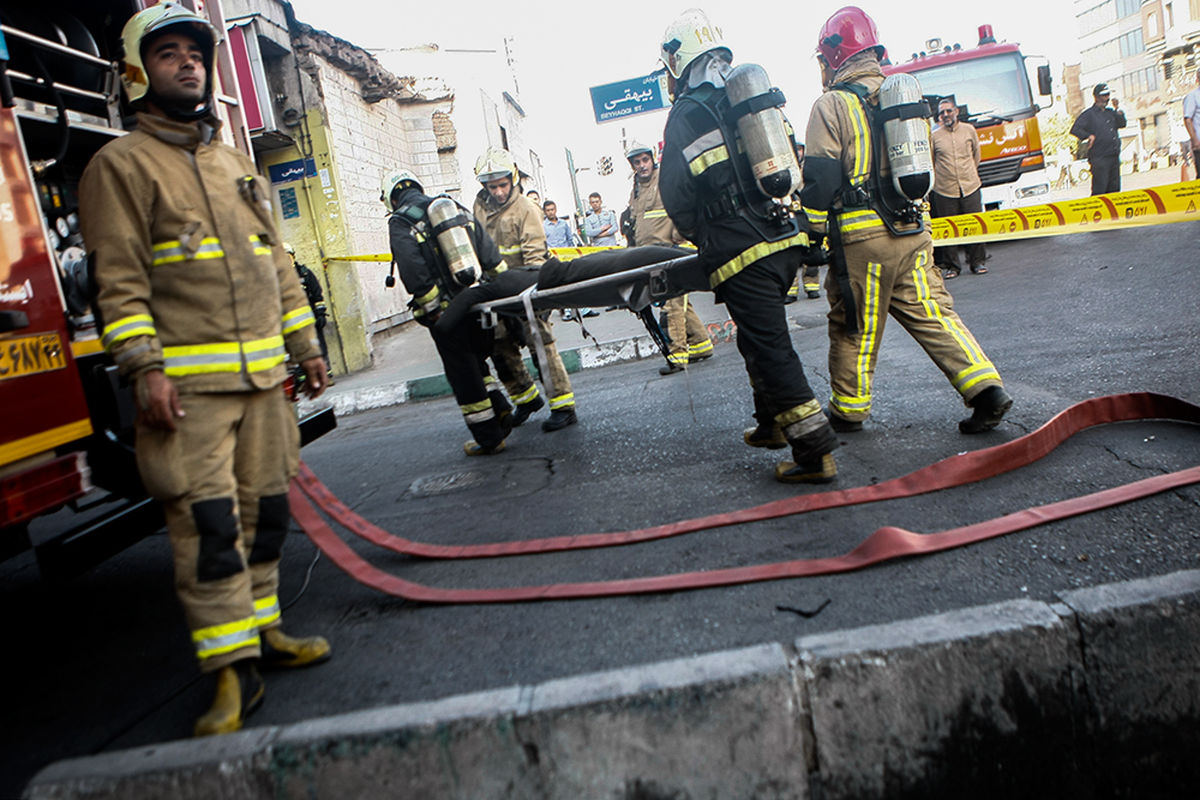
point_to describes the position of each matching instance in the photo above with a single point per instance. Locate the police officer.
(436, 283)
(316, 298)
(201, 309)
(749, 245)
(650, 224)
(1097, 125)
(515, 224)
(883, 264)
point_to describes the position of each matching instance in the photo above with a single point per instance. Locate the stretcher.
(633, 278)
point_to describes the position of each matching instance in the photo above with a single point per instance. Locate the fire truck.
(991, 86)
(67, 433)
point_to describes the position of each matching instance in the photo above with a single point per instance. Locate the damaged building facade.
(326, 121)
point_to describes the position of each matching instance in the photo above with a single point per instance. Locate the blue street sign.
(292, 170)
(626, 98)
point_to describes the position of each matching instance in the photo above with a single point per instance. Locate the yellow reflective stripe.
(562, 401)
(850, 405)
(975, 374)
(217, 639)
(526, 396)
(428, 297)
(134, 325)
(197, 359)
(295, 320)
(868, 342)
(707, 159)
(862, 137)
(701, 347)
(655, 213)
(474, 408)
(797, 413)
(755, 253)
(173, 251)
(859, 220)
(509, 251)
(934, 311)
(814, 216)
(262, 354)
(261, 248)
(678, 358)
(266, 610)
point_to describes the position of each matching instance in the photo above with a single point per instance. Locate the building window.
(1096, 17)
(1132, 43)
(1152, 29)
(1127, 8)
(504, 138)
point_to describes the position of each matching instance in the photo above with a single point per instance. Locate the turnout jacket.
(191, 276)
(651, 223)
(696, 172)
(515, 226)
(422, 268)
(841, 151)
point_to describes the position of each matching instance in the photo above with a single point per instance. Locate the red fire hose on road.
(885, 544)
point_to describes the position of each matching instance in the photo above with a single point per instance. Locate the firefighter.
(201, 309)
(435, 281)
(810, 273)
(515, 224)
(749, 244)
(651, 225)
(316, 299)
(882, 254)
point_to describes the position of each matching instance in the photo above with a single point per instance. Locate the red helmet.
(848, 32)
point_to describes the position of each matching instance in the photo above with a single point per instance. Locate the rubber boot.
(240, 691)
(489, 435)
(283, 651)
(671, 368)
(843, 425)
(813, 442)
(524, 410)
(559, 419)
(989, 406)
(767, 433)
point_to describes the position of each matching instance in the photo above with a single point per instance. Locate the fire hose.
(885, 544)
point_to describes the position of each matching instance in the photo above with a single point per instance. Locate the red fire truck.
(67, 432)
(990, 84)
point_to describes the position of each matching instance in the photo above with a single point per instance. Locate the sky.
(563, 49)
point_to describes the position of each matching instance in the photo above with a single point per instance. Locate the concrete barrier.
(1094, 696)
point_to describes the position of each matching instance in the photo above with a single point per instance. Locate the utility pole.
(575, 192)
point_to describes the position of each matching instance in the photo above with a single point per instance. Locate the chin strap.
(180, 113)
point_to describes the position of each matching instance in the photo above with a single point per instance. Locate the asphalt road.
(103, 662)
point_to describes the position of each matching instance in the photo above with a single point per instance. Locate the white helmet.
(636, 148)
(495, 164)
(394, 179)
(689, 36)
(156, 19)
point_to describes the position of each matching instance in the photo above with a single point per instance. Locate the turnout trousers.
(464, 347)
(754, 298)
(689, 337)
(222, 477)
(896, 276)
(511, 367)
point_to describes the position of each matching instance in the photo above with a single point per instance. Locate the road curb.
(1094, 695)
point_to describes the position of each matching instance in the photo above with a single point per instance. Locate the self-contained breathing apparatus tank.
(449, 226)
(906, 136)
(755, 105)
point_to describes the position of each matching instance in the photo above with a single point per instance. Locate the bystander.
(956, 185)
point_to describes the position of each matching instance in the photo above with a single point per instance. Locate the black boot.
(843, 425)
(524, 410)
(559, 419)
(989, 406)
(671, 368)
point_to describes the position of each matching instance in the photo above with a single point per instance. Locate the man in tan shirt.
(956, 185)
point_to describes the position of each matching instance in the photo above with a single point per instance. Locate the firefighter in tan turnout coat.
(201, 308)
(885, 271)
(651, 225)
(515, 223)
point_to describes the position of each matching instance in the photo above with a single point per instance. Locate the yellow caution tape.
(1178, 202)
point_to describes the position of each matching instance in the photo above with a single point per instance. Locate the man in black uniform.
(749, 246)
(316, 298)
(461, 341)
(1098, 126)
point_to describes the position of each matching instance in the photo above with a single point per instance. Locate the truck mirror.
(1045, 84)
